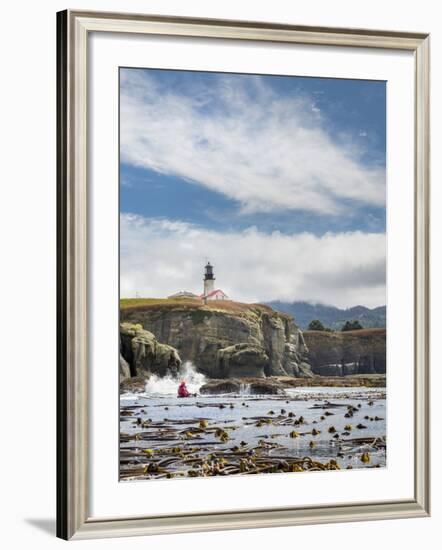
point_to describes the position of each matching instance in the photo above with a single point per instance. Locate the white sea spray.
(168, 385)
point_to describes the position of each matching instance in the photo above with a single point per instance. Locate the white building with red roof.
(217, 294)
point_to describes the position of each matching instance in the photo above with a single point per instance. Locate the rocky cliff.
(141, 354)
(347, 353)
(224, 339)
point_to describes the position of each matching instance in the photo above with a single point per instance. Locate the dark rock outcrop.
(266, 387)
(347, 353)
(242, 360)
(220, 386)
(135, 384)
(249, 386)
(144, 354)
(124, 369)
(227, 339)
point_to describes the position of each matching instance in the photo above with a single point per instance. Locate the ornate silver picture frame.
(73, 517)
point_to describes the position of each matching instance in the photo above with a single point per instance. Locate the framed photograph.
(242, 275)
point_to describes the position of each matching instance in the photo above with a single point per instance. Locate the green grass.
(228, 306)
(126, 303)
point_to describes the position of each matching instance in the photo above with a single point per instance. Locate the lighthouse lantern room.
(209, 279)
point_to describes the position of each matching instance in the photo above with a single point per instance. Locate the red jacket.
(182, 390)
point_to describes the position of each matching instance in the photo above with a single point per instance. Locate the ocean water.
(167, 418)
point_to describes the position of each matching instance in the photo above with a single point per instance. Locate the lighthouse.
(210, 293)
(209, 286)
(209, 280)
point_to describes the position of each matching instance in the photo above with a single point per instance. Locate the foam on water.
(129, 396)
(168, 385)
(333, 391)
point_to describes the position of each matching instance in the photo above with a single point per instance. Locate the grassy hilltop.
(228, 306)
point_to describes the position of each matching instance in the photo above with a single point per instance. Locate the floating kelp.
(188, 462)
(224, 441)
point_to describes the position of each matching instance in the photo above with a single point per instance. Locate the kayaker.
(182, 390)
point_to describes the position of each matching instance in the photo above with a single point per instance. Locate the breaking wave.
(168, 385)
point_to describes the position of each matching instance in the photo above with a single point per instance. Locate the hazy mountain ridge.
(330, 316)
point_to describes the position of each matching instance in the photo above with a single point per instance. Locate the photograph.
(225, 213)
(252, 274)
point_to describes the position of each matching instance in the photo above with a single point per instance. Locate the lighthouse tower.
(209, 286)
(209, 280)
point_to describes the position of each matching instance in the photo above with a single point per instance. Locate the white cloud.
(268, 152)
(160, 257)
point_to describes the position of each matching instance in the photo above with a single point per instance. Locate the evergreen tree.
(351, 325)
(316, 325)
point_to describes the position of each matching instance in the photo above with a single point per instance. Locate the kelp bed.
(328, 436)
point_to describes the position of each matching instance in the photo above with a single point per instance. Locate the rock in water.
(266, 387)
(215, 387)
(145, 354)
(135, 384)
(253, 386)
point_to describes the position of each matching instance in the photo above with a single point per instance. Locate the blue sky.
(218, 157)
